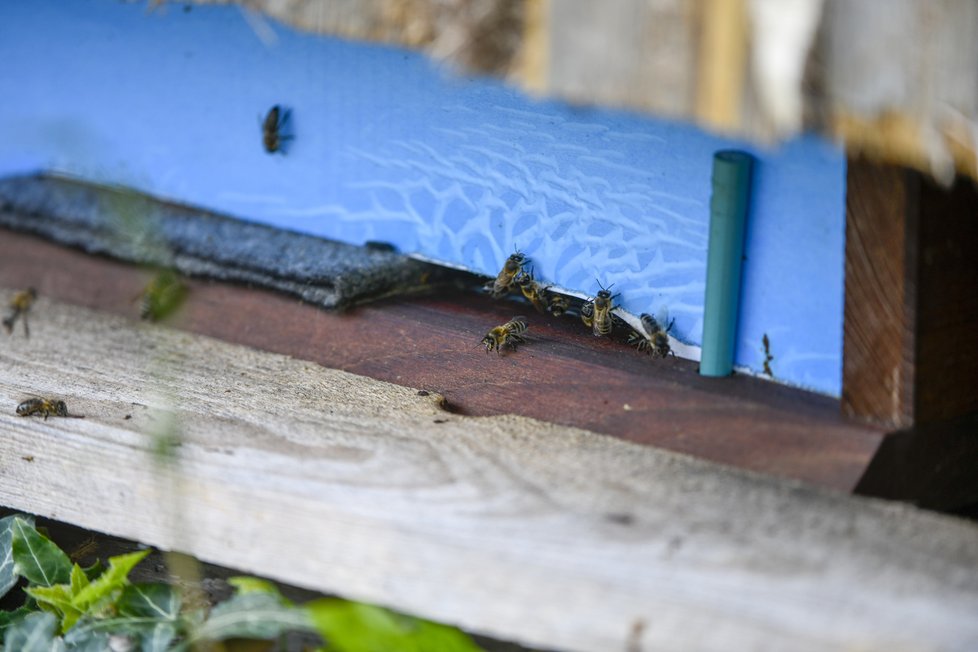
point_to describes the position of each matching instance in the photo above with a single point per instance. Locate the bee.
(597, 312)
(509, 334)
(273, 136)
(44, 406)
(533, 291)
(558, 304)
(19, 306)
(767, 355)
(507, 275)
(162, 296)
(655, 339)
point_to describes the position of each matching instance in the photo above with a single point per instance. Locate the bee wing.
(662, 316)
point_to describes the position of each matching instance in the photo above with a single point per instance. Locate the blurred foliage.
(70, 608)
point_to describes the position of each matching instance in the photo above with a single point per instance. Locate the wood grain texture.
(525, 530)
(911, 105)
(910, 355)
(563, 375)
(878, 340)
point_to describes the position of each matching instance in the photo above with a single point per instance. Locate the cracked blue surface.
(388, 146)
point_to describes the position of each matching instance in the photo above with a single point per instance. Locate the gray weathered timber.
(524, 530)
(895, 79)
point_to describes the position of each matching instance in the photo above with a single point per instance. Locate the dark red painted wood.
(563, 374)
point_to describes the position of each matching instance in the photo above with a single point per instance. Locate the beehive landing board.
(388, 146)
(544, 534)
(564, 374)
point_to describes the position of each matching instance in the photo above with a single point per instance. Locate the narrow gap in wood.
(947, 302)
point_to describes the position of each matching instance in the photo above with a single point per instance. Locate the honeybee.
(19, 306)
(767, 355)
(45, 406)
(558, 304)
(509, 334)
(533, 291)
(272, 127)
(597, 312)
(162, 296)
(507, 275)
(655, 340)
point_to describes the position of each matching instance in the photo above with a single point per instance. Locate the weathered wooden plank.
(565, 375)
(894, 79)
(545, 534)
(910, 355)
(879, 335)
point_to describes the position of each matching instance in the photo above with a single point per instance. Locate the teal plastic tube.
(728, 219)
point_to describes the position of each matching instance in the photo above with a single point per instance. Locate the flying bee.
(533, 291)
(507, 275)
(45, 407)
(162, 296)
(272, 129)
(597, 312)
(655, 339)
(19, 307)
(509, 334)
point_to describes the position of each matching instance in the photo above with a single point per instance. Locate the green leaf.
(90, 642)
(33, 633)
(123, 626)
(8, 576)
(252, 615)
(93, 571)
(8, 618)
(159, 638)
(247, 584)
(79, 580)
(36, 557)
(112, 579)
(57, 600)
(155, 600)
(355, 627)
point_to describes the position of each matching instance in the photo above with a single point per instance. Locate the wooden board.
(910, 355)
(563, 375)
(843, 68)
(530, 531)
(880, 308)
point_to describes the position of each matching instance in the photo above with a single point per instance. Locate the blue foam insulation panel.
(389, 145)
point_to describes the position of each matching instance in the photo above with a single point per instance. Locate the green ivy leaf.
(355, 627)
(251, 615)
(57, 600)
(36, 557)
(90, 642)
(33, 633)
(8, 576)
(154, 600)
(87, 627)
(112, 579)
(79, 580)
(8, 618)
(245, 584)
(159, 638)
(93, 571)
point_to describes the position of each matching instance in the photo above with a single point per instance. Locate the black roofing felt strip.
(134, 227)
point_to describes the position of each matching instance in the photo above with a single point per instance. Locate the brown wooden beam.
(880, 308)
(911, 311)
(563, 375)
